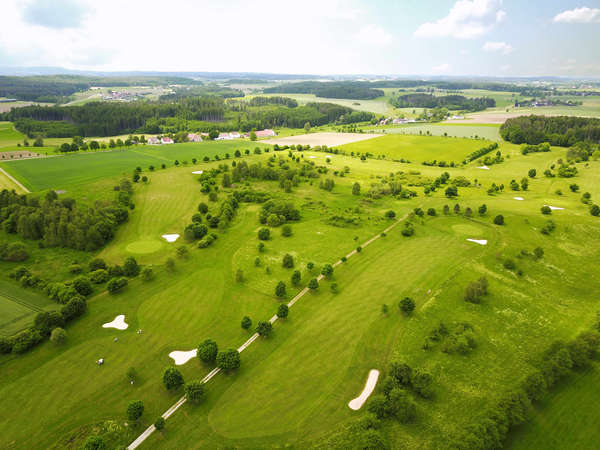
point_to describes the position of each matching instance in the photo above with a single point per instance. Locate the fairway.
(59, 172)
(417, 148)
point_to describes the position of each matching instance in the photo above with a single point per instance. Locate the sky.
(385, 37)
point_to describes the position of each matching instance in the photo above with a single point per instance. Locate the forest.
(57, 88)
(186, 114)
(563, 131)
(451, 102)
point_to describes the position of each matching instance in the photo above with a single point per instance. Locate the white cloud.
(579, 15)
(501, 47)
(505, 67)
(442, 68)
(374, 35)
(56, 14)
(467, 19)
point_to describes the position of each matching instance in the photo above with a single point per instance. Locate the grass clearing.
(18, 306)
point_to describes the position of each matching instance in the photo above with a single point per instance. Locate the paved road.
(148, 431)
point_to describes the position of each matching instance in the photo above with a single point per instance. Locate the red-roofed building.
(265, 133)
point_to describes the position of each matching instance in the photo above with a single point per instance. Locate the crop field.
(292, 388)
(325, 138)
(60, 172)
(9, 137)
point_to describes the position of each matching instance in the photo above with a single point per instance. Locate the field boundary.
(14, 180)
(148, 431)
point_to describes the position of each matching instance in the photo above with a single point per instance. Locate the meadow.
(378, 105)
(490, 132)
(60, 172)
(292, 389)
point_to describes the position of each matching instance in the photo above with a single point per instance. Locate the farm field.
(378, 105)
(460, 130)
(64, 171)
(417, 148)
(548, 427)
(329, 139)
(292, 389)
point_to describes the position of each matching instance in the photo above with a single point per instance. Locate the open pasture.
(452, 129)
(64, 171)
(378, 105)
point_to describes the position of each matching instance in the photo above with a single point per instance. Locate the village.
(199, 137)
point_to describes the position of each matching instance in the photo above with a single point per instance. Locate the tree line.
(354, 90)
(563, 131)
(451, 102)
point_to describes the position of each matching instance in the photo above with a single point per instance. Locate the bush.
(296, 277)
(431, 212)
(264, 328)
(58, 336)
(538, 252)
(246, 323)
(407, 305)
(207, 351)
(286, 231)
(99, 276)
(172, 378)
(75, 268)
(116, 284)
(135, 410)
(97, 264)
(194, 391)
(280, 290)
(82, 285)
(499, 219)
(159, 424)
(264, 234)
(228, 360)
(74, 308)
(401, 405)
(313, 284)
(327, 270)
(288, 261)
(378, 405)
(147, 273)
(509, 264)
(476, 290)
(390, 214)
(130, 267)
(282, 311)
(595, 210)
(94, 443)
(546, 210)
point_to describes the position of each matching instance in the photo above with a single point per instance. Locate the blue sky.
(404, 37)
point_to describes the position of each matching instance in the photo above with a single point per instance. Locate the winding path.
(148, 431)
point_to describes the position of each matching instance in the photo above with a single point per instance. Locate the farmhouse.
(194, 137)
(153, 141)
(398, 121)
(166, 140)
(265, 133)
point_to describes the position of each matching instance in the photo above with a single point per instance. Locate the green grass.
(18, 307)
(567, 418)
(293, 388)
(461, 130)
(9, 137)
(417, 148)
(378, 105)
(61, 172)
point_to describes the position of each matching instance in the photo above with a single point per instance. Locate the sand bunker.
(357, 403)
(484, 167)
(198, 172)
(312, 157)
(118, 323)
(478, 241)
(181, 358)
(170, 237)
(519, 198)
(554, 208)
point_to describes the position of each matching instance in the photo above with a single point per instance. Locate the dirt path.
(11, 178)
(148, 431)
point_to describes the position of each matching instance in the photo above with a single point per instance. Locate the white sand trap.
(554, 208)
(478, 241)
(357, 403)
(519, 198)
(181, 358)
(118, 323)
(312, 157)
(198, 172)
(170, 237)
(484, 167)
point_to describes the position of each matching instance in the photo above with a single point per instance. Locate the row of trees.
(450, 102)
